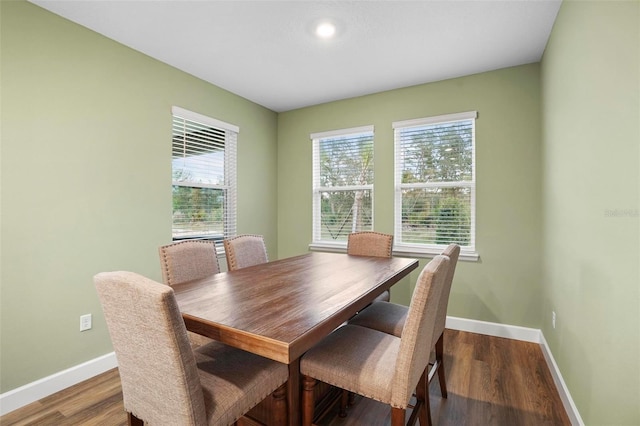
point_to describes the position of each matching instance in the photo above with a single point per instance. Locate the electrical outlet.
(85, 322)
(553, 319)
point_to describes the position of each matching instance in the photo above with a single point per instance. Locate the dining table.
(280, 309)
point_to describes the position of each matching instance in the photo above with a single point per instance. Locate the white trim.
(494, 329)
(565, 396)
(533, 335)
(338, 247)
(406, 250)
(203, 119)
(342, 132)
(403, 251)
(32, 392)
(436, 119)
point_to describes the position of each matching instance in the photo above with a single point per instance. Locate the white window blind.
(435, 183)
(203, 163)
(342, 184)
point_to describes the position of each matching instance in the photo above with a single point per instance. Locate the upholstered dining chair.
(390, 318)
(379, 365)
(370, 243)
(188, 260)
(245, 250)
(184, 261)
(165, 382)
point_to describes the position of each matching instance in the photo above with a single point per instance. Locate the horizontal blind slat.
(203, 168)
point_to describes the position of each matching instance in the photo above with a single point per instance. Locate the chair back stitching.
(199, 269)
(368, 243)
(158, 371)
(418, 333)
(231, 252)
(452, 252)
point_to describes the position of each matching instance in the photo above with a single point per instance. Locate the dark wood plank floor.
(491, 381)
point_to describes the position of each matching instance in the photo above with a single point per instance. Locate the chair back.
(369, 243)
(452, 252)
(418, 334)
(245, 250)
(160, 383)
(188, 260)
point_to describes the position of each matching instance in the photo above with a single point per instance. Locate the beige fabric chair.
(188, 260)
(185, 261)
(164, 382)
(369, 243)
(378, 365)
(390, 318)
(245, 250)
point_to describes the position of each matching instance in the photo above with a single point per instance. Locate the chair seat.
(382, 316)
(234, 381)
(339, 358)
(379, 365)
(164, 381)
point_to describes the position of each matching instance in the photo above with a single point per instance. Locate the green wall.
(86, 179)
(504, 286)
(591, 220)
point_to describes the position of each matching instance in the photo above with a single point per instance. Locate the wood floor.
(491, 381)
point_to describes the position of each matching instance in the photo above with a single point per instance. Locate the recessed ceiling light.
(325, 30)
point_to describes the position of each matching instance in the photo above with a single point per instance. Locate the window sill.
(467, 256)
(420, 252)
(329, 247)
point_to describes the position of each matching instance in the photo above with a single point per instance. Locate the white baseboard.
(533, 335)
(46, 386)
(565, 396)
(494, 329)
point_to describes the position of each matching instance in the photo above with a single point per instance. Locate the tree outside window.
(203, 177)
(435, 182)
(343, 183)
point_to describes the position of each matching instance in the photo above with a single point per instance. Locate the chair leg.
(439, 360)
(397, 416)
(133, 420)
(344, 402)
(422, 397)
(352, 399)
(308, 385)
(280, 405)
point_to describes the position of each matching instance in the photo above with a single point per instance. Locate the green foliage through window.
(435, 183)
(203, 174)
(343, 185)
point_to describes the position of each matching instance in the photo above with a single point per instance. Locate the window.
(342, 184)
(435, 184)
(203, 165)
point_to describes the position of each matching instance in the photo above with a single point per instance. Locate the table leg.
(293, 393)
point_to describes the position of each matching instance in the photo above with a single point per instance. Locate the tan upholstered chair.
(185, 261)
(164, 382)
(245, 250)
(379, 365)
(369, 243)
(188, 260)
(390, 318)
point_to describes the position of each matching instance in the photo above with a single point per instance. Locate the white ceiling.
(266, 51)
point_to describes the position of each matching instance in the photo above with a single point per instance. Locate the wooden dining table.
(282, 308)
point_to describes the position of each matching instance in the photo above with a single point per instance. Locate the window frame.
(229, 187)
(427, 249)
(317, 242)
